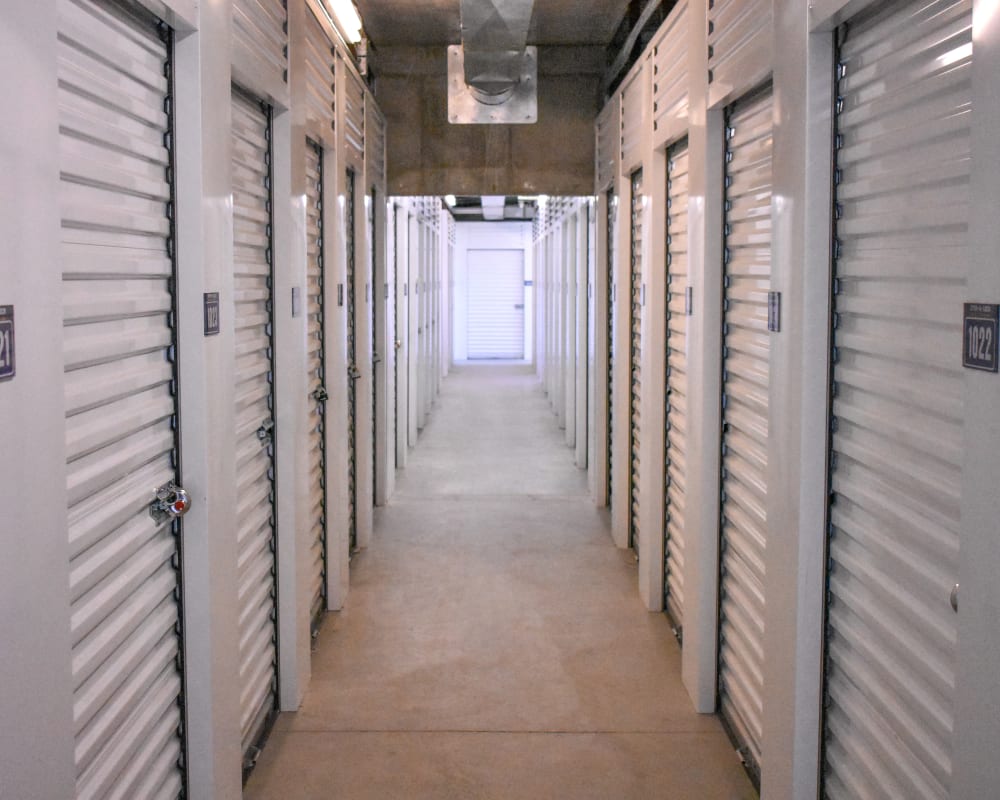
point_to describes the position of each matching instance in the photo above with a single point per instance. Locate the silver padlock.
(171, 502)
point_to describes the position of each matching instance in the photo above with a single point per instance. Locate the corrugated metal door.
(676, 407)
(496, 304)
(611, 224)
(254, 414)
(316, 367)
(353, 373)
(635, 357)
(901, 254)
(745, 379)
(121, 399)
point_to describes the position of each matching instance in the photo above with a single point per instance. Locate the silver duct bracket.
(518, 104)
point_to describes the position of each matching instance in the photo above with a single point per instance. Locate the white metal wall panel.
(260, 36)
(633, 115)
(315, 365)
(901, 255)
(354, 118)
(320, 68)
(670, 77)
(677, 389)
(635, 356)
(121, 400)
(608, 134)
(496, 304)
(375, 150)
(745, 380)
(254, 415)
(739, 46)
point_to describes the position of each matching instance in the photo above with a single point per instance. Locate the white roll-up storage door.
(635, 356)
(121, 399)
(901, 255)
(677, 391)
(496, 304)
(353, 373)
(746, 368)
(254, 398)
(316, 368)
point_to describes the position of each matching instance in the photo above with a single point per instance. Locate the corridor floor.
(493, 644)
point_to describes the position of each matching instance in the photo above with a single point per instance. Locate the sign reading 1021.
(7, 362)
(979, 345)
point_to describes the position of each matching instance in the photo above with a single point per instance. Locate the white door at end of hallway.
(495, 304)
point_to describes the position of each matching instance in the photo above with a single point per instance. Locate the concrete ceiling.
(436, 22)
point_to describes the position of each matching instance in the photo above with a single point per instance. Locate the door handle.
(320, 395)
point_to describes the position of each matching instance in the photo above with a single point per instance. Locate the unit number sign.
(979, 344)
(7, 362)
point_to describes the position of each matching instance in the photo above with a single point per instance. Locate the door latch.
(171, 502)
(265, 430)
(954, 598)
(353, 372)
(320, 395)
(376, 358)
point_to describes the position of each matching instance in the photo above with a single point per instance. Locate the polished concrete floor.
(494, 644)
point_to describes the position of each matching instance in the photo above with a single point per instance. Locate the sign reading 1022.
(7, 362)
(979, 346)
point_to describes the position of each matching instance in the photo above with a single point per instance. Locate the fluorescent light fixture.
(450, 200)
(347, 19)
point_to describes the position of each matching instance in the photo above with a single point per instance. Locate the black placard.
(979, 341)
(774, 311)
(8, 363)
(689, 301)
(211, 300)
(340, 294)
(296, 301)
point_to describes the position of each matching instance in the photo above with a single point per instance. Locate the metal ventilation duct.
(494, 36)
(492, 75)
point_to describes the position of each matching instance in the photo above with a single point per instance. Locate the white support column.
(598, 459)
(568, 332)
(654, 343)
(701, 554)
(364, 297)
(402, 331)
(36, 702)
(415, 356)
(291, 385)
(798, 400)
(977, 691)
(583, 244)
(205, 257)
(621, 294)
